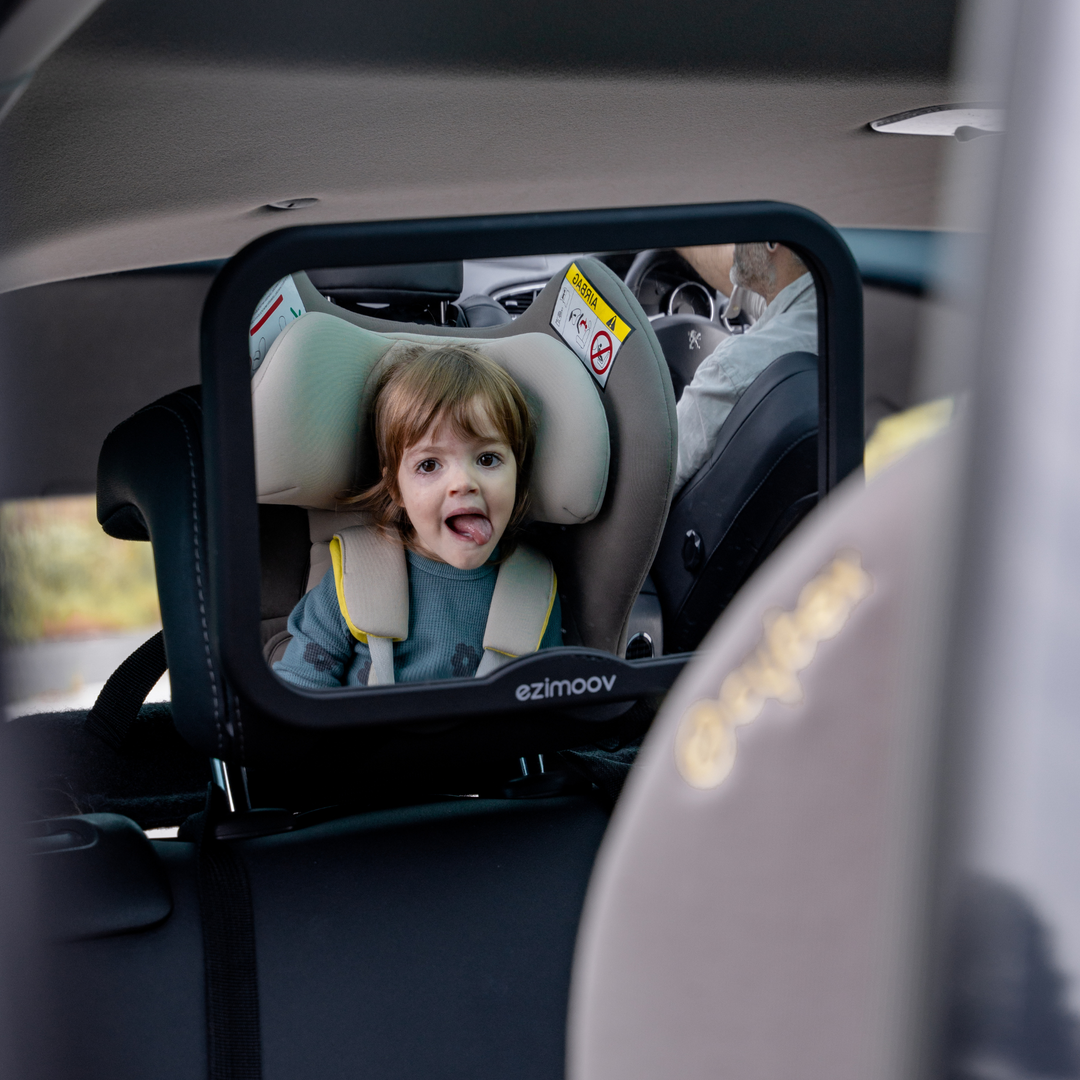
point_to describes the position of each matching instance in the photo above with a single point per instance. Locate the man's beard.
(753, 269)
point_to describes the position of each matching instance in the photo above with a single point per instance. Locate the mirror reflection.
(463, 463)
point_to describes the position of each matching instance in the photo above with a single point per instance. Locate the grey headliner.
(157, 132)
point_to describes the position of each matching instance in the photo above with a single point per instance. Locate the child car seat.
(572, 447)
(794, 814)
(311, 401)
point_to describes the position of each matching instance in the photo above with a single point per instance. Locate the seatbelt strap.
(117, 706)
(372, 580)
(234, 1049)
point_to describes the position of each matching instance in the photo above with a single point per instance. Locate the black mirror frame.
(233, 526)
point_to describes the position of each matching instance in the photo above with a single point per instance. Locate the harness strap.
(372, 579)
(520, 608)
(382, 661)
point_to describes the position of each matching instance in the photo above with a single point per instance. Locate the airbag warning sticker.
(279, 307)
(588, 324)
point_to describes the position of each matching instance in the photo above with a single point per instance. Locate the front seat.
(760, 481)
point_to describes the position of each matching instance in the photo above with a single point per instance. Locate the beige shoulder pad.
(372, 583)
(521, 604)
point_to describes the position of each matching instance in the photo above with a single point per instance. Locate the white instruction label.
(589, 324)
(280, 306)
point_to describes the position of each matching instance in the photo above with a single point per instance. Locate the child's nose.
(462, 481)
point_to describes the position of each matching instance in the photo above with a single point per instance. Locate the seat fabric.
(434, 941)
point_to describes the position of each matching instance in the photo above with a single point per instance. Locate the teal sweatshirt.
(448, 610)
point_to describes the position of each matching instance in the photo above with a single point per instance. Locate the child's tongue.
(475, 526)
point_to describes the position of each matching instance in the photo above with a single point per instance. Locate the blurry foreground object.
(895, 435)
(756, 909)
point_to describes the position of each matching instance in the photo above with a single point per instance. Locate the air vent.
(517, 298)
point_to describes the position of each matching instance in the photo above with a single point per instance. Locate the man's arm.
(713, 262)
(701, 411)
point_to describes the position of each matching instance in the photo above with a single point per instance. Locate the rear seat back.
(434, 941)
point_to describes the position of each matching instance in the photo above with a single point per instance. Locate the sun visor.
(311, 400)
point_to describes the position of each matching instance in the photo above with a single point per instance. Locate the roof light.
(965, 122)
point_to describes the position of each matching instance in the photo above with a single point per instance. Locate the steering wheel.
(685, 338)
(643, 262)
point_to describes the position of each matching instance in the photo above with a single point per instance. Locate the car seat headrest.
(312, 397)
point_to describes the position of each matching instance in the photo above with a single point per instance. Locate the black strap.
(232, 993)
(117, 707)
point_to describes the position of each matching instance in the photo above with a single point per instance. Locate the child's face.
(459, 494)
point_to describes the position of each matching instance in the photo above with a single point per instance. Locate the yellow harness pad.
(372, 581)
(521, 604)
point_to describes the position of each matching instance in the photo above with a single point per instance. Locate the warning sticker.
(589, 324)
(279, 307)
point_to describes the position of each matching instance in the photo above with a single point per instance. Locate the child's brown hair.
(453, 384)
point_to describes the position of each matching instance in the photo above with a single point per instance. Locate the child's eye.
(488, 460)
(428, 465)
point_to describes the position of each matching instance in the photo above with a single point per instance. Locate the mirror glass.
(461, 463)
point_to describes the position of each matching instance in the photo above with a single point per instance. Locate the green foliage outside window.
(61, 576)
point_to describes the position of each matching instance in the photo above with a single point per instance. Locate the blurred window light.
(74, 603)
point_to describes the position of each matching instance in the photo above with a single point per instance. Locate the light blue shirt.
(789, 324)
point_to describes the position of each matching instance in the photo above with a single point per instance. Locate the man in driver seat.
(788, 324)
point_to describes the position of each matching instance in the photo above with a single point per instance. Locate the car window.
(76, 603)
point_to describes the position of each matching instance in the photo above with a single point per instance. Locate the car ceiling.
(157, 133)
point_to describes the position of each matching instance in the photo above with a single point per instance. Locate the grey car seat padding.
(312, 398)
(753, 903)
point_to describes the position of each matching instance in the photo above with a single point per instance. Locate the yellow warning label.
(588, 324)
(597, 303)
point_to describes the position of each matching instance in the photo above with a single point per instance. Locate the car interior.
(338, 777)
(255, 879)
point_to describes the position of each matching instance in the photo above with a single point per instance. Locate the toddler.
(455, 443)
